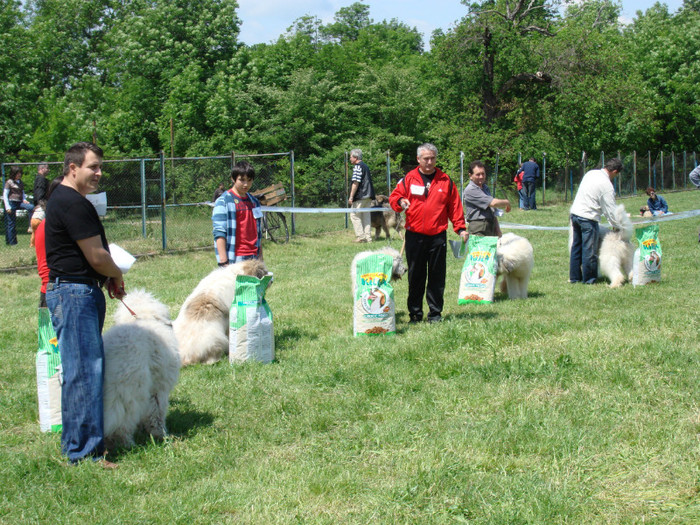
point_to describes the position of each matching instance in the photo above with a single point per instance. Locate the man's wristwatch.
(223, 264)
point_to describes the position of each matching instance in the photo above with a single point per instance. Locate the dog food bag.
(374, 312)
(478, 280)
(646, 267)
(48, 375)
(250, 330)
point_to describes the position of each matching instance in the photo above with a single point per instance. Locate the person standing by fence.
(41, 185)
(531, 174)
(15, 199)
(694, 176)
(361, 195)
(236, 219)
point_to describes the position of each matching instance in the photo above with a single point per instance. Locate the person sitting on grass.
(657, 204)
(236, 218)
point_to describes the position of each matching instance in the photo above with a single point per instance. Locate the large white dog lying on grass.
(142, 365)
(202, 324)
(515, 262)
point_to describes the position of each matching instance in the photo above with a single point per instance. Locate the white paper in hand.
(121, 257)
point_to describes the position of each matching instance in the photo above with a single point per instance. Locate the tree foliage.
(512, 75)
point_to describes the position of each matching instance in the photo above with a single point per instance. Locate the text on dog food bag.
(478, 279)
(646, 267)
(374, 312)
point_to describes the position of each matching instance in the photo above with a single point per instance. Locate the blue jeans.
(530, 197)
(583, 262)
(77, 315)
(11, 220)
(241, 258)
(522, 199)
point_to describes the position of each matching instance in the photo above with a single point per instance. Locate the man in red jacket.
(429, 198)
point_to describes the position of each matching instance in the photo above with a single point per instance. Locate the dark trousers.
(426, 260)
(583, 261)
(530, 200)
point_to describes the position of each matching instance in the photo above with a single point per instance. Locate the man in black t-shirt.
(79, 263)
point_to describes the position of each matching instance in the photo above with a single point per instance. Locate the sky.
(265, 20)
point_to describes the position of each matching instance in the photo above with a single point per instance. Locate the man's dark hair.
(14, 171)
(242, 168)
(76, 154)
(475, 164)
(613, 164)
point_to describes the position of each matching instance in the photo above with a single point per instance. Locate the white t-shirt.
(595, 197)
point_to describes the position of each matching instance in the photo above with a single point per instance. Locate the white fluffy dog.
(142, 365)
(202, 325)
(615, 249)
(515, 261)
(616, 252)
(397, 269)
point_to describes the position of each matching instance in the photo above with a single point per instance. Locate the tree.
(18, 86)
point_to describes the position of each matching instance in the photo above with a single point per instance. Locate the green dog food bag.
(646, 267)
(478, 280)
(250, 322)
(49, 376)
(374, 311)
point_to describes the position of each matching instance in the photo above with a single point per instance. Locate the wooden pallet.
(271, 195)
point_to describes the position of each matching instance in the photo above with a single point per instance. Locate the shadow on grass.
(289, 338)
(504, 297)
(183, 421)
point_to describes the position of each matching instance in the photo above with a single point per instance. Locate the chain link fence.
(157, 204)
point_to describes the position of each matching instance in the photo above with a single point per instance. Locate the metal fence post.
(143, 197)
(634, 171)
(685, 170)
(162, 199)
(461, 172)
(347, 188)
(649, 170)
(544, 175)
(388, 173)
(673, 170)
(291, 174)
(662, 171)
(495, 176)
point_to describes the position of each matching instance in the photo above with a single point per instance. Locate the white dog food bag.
(478, 280)
(48, 375)
(646, 267)
(250, 330)
(374, 312)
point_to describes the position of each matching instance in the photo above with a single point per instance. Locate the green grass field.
(580, 404)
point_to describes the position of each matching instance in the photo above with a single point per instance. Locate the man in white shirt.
(595, 197)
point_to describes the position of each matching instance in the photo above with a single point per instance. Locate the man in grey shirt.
(479, 204)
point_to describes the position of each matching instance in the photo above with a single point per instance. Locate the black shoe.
(436, 319)
(415, 318)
